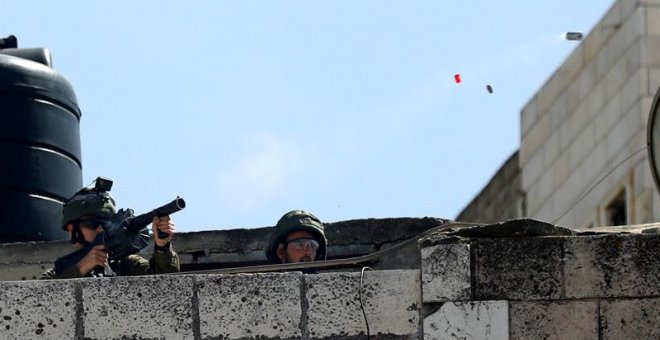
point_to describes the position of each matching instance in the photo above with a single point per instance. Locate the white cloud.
(258, 174)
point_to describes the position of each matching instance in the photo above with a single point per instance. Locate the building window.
(616, 210)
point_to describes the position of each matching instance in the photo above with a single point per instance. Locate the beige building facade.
(583, 160)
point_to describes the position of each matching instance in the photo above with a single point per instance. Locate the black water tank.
(39, 146)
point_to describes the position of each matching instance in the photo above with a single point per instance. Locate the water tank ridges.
(40, 147)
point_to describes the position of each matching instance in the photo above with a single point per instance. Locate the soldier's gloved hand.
(165, 225)
(98, 256)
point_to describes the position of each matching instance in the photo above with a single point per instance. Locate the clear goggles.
(303, 243)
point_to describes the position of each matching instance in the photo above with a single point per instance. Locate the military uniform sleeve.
(162, 261)
(69, 273)
(165, 260)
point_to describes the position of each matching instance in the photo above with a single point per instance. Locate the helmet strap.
(77, 236)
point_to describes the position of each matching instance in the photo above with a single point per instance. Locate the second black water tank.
(39, 146)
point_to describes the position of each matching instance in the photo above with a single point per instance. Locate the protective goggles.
(303, 243)
(95, 223)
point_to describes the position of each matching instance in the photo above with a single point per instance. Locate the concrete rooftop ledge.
(240, 247)
(506, 285)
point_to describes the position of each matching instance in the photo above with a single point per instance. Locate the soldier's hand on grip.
(98, 256)
(166, 227)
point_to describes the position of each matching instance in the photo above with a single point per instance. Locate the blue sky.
(348, 109)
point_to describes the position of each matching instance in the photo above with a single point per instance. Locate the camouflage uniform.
(162, 261)
(90, 203)
(296, 220)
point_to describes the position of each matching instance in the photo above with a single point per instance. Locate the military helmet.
(296, 220)
(88, 202)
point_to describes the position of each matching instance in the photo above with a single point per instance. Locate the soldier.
(298, 237)
(85, 215)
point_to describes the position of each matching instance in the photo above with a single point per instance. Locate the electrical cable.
(351, 261)
(364, 314)
(597, 183)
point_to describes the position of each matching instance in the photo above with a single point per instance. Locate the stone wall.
(521, 279)
(551, 287)
(502, 199)
(590, 116)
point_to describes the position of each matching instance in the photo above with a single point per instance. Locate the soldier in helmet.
(298, 237)
(87, 214)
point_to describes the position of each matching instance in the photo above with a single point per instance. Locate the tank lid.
(40, 55)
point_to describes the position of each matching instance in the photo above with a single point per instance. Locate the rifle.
(127, 234)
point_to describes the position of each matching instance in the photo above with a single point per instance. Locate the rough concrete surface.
(612, 266)
(140, 307)
(488, 320)
(517, 268)
(446, 272)
(573, 320)
(630, 319)
(37, 310)
(250, 306)
(391, 300)
(20, 271)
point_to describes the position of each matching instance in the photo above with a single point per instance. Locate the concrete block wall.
(568, 287)
(553, 287)
(247, 306)
(590, 116)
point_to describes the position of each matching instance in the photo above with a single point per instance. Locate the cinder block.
(552, 149)
(564, 198)
(573, 320)
(250, 306)
(549, 93)
(533, 170)
(528, 117)
(611, 21)
(598, 97)
(585, 83)
(612, 266)
(620, 135)
(547, 184)
(593, 42)
(571, 128)
(446, 272)
(630, 319)
(488, 320)
(652, 22)
(517, 268)
(632, 28)
(391, 301)
(143, 307)
(572, 66)
(534, 140)
(186, 259)
(633, 57)
(533, 199)
(651, 51)
(635, 88)
(615, 79)
(37, 309)
(608, 117)
(654, 81)
(562, 168)
(629, 8)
